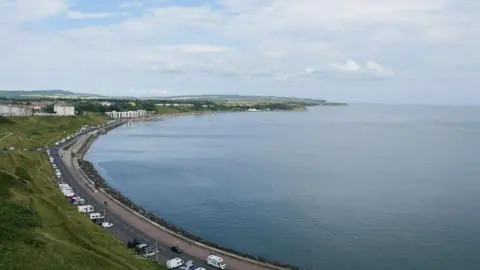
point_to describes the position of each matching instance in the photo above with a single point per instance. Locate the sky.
(358, 51)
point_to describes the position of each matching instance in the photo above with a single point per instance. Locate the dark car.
(176, 249)
(133, 243)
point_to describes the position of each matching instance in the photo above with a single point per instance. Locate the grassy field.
(39, 229)
(36, 131)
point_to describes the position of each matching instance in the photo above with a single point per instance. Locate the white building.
(127, 114)
(64, 110)
(15, 110)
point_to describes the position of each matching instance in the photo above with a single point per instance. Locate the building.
(15, 110)
(106, 103)
(127, 114)
(64, 110)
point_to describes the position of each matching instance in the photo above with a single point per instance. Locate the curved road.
(129, 225)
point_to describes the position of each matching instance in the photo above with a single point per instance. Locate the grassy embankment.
(39, 229)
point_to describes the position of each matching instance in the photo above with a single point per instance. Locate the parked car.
(141, 248)
(150, 252)
(176, 249)
(189, 265)
(174, 263)
(133, 243)
(95, 216)
(106, 224)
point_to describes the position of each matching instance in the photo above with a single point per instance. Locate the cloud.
(198, 48)
(132, 4)
(371, 68)
(225, 42)
(21, 11)
(76, 15)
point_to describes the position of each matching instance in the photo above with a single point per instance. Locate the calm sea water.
(358, 187)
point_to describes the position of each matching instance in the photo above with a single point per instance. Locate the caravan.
(85, 209)
(216, 262)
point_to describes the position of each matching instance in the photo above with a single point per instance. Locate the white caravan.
(85, 208)
(216, 262)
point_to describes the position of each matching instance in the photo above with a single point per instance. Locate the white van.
(216, 262)
(78, 200)
(174, 263)
(95, 216)
(51, 159)
(85, 208)
(64, 186)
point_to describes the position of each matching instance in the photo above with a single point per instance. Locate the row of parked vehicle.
(212, 260)
(82, 208)
(175, 263)
(142, 248)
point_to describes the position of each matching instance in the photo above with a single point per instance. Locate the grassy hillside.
(41, 93)
(39, 229)
(36, 131)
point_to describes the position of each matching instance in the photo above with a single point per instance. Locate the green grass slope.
(39, 229)
(37, 131)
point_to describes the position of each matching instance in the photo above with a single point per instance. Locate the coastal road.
(121, 229)
(128, 225)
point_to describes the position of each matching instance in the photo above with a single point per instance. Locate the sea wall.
(89, 170)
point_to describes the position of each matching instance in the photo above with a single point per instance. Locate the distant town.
(64, 103)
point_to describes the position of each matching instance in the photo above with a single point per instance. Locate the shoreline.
(87, 168)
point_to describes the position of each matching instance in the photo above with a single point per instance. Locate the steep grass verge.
(39, 229)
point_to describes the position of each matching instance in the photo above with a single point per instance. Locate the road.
(128, 225)
(121, 230)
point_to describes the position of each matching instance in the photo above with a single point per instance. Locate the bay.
(357, 187)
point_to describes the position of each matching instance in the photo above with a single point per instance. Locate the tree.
(49, 109)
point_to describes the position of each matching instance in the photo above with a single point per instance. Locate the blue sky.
(375, 51)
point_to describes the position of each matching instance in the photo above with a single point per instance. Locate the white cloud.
(200, 48)
(76, 15)
(370, 68)
(263, 40)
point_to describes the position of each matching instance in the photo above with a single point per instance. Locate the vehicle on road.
(58, 175)
(51, 159)
(189, 265)
(141, 248)
(95, 216)
(133, 243)
(106, 224)
(54, 166)
(176, 249)
(69, 195)
(216, 261)
(150, 252)
(85, 208)
(78, 200)
(174, 263)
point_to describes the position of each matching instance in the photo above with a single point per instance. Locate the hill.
(39, 229)
(43, 94)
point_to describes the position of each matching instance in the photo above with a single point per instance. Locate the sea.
(347, 187)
